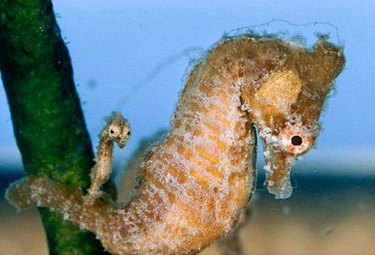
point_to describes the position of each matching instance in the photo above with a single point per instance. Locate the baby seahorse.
(197, 182)
(116, 131)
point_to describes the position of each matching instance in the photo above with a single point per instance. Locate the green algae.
(47, 117)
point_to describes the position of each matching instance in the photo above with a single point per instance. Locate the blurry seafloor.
(327, 214)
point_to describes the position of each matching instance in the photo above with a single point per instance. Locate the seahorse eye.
(113, 131)
(296, 140)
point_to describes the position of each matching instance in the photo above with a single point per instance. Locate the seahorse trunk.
(198, 181)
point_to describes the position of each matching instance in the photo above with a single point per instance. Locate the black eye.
(111, 131)
(296, 140)
(128, 133)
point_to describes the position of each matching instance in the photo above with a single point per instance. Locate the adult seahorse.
(196, 183)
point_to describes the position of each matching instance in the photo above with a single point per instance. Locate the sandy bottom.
(326, 216)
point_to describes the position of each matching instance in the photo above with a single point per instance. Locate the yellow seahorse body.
(196, 183)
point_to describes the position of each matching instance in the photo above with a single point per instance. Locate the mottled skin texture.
(197, 182)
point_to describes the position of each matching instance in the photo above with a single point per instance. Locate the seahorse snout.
(277, 166)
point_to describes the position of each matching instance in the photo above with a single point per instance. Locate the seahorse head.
(287, 103)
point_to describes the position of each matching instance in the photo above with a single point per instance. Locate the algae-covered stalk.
(46, 113)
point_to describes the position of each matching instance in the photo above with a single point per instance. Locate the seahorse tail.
(30, 192)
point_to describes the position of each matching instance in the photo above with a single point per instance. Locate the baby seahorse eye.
(296, 140)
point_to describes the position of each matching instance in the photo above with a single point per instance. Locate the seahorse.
(196, 183)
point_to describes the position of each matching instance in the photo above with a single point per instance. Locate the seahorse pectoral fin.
(277, 166)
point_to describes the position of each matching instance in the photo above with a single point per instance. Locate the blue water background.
(131, 56)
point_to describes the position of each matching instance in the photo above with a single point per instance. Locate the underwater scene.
(186, 127)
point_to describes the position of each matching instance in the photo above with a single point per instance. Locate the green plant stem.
(47, 117)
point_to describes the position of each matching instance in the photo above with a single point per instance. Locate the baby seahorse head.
(287, 104)
(117, 129)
